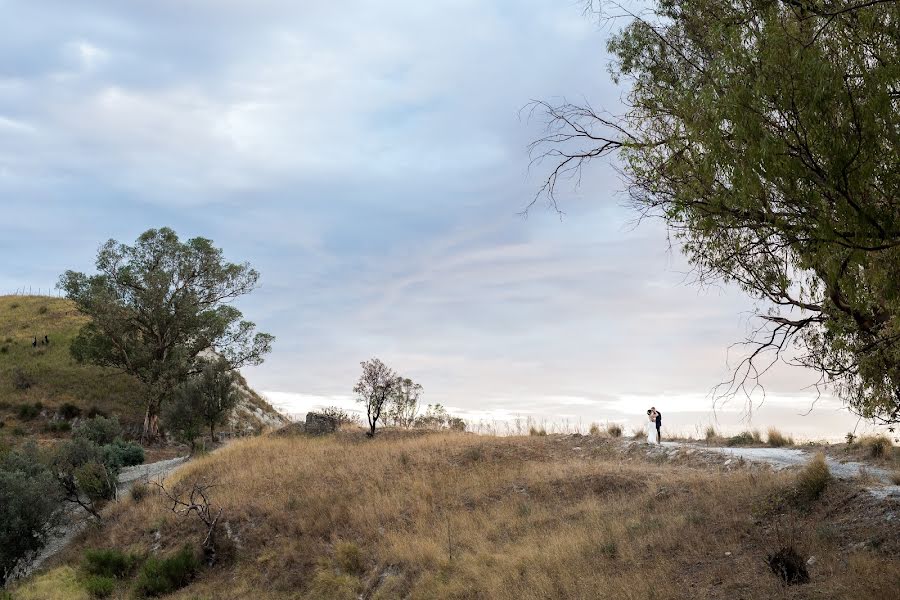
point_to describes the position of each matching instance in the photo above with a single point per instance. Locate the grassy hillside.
(47, 374)
(464, 516)
(35, 382)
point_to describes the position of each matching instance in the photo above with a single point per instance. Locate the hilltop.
(39, 384)
(450, 515)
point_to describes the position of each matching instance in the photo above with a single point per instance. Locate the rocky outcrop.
(253, 415)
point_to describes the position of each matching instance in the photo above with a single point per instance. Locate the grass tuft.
(778, 439)
(812, 481)
(614, 430)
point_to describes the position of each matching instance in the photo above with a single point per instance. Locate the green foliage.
(122, 454)
(156, 305)
(58, 426)
(745, 438)
(99, 430)
(765, 135)
(206, 399)
(108, 562)
(160, 576)
(98, 586)
(29, 503)
(29, 411)
(81, 470)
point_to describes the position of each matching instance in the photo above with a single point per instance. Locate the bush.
(27, 412)
(812, 481)
(99, 430)
(98, 586)
(68, 411)
(595, 429)
(711, 433)
(778, 439)
(537, 431)
(614, 430)
(349, 558)
(745, 438)
(58, 426)
(123, 454)
(757, 436)
(95, 480)
(878, 445)
(789, 565)
(139, 491)
(163, 576)
(110, 563)
(341, 416)
(42, 310)
(21, 380)
(4, 349)
(95, 412)
(29, 503)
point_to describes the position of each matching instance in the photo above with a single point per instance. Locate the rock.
(811, 561)
(319, 424)
(577, 448)
(727, 462)
(728, 554)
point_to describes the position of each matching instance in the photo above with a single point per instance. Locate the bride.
(651, 427)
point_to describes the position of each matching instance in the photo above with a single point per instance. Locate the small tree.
(375, 388)
(405, 403)
(207, 398)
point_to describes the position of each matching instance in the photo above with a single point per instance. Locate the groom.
(658, 424)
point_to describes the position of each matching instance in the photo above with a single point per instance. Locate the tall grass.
(778, 439)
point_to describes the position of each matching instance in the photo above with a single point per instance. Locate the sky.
(369, 159)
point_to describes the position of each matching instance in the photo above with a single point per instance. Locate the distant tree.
(206, 398)
(437, 417)
(29, 508)
(341, 416)
(404, 404)
(765, 134)
(156, 305)
(376, 386)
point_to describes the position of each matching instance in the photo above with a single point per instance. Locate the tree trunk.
(151, 423)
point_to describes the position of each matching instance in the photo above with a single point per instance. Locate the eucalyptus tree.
(156, 305)
(378, 384)
(766, 133)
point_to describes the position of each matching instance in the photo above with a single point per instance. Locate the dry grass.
(778, 439)
(462, 516)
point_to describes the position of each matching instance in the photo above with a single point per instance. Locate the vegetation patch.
(159, 576)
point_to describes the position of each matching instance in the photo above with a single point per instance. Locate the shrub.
(614, 430)
(42, 310)
(27, 412)
(108, 562)
(29, 502)
(95, 480)
(58, 426)
(95, 412)
(850, 437)
(98, 586)
(778, 439)
(341, 416)
(68, 411)
(123, 454)
(334, 586)
(99, 430)
(744, 438)
(139, 491)
(757, 436)
(21, 380)
(161, 576)
(711, 433)
(349, 558)
(812, 481)
(4, 349)
(595, 429)
(537, 431)
(789, 565)
(878, 445)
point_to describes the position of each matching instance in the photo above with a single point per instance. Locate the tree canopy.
(156, 305)
(766, 133)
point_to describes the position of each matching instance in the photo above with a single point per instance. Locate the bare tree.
(375, 388)
(198, 503)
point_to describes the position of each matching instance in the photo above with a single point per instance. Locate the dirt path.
(782, 458)
(76, 518)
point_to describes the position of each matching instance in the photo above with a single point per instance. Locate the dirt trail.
(782, 458)
(77, 519)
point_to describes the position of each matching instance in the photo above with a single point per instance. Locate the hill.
(36, 382)
(464, 516)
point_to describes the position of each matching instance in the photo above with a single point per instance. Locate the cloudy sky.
(370, 160)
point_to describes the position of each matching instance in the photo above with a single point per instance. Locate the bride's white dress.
(651, 433)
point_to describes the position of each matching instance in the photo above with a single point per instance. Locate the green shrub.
(614, 430)
(58, 426)
(123, 454)
(69, 411)
(96, 481)
(100, 430)
(4, 349)
(164, 576)
(812, 481)
(98, 586)
(778, 439)
(27, 412)
(108, 562)
(744, 438)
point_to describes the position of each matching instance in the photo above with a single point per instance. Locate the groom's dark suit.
(658, 426)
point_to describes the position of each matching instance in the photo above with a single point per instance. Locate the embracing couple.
(654, 424)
